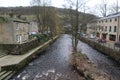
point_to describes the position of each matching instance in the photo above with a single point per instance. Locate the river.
(102, 62)
(53, 63)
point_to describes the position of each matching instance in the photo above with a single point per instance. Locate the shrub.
(3, 20)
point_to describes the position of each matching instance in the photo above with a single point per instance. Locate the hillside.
(63, 13)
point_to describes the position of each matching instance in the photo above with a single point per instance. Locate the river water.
(102, 62)
(53, 64)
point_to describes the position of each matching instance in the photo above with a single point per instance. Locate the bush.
(42, 37)
(3, 20)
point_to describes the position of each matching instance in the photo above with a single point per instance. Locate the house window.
(26, 37)
(17, 26)
(17, 38)
(112, 37)
(102, 28)
(102, 21)
(105, 28)
(106, 20)
(99, 28)
(23, 28)
(115, 19)
(115, 28)
(110, 29)
(110, 20)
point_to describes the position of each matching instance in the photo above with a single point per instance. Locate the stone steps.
(5, 75)
(10, 75)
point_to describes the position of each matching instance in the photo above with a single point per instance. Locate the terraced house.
(13, 31)
(109, 27)
(33, 29)
(91, 28)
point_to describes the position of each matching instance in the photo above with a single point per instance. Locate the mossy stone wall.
(19, 49)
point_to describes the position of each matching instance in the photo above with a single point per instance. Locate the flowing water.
(53, 64)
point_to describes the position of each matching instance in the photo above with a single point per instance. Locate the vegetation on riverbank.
(114, 54)
(85, 67)
(3, 20)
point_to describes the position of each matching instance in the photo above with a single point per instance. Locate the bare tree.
(47, 17)
(40, 12)
(74, 7)
(103, 8)
(114, 8)
(52, 20)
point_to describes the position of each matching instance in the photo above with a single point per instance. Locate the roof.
(19, 20)
(111, 16)
(8, 19)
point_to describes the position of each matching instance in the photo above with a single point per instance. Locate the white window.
(25, 37)
(20, 38)
(17, 38)
(17, 26)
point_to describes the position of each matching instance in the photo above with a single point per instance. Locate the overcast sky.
(57, 3)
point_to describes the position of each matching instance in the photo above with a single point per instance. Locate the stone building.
(91, 28)
(33, 29)
(109, 27)
(13, 31)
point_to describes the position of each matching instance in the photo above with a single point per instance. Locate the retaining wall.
(106, 50)
(19, 48)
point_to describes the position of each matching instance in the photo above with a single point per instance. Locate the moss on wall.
(19, 48)
(3, 20)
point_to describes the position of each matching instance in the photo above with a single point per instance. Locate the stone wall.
(19, 48)
(106, 50)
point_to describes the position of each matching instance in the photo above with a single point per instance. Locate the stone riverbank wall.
(18, 49)
(112, 53)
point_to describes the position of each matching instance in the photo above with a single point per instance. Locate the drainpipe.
(118, 30)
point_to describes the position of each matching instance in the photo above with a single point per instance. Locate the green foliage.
(3, 20)
(42, 37)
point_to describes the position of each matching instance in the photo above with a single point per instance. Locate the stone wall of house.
(106, 50)
(6, 33)
(21, 29)
(18, 49)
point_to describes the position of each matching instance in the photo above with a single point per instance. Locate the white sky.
(9, 3)
(57, 3)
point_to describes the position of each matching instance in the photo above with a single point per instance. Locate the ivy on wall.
(3, 20)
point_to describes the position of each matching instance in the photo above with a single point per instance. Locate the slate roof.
(111, 16)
